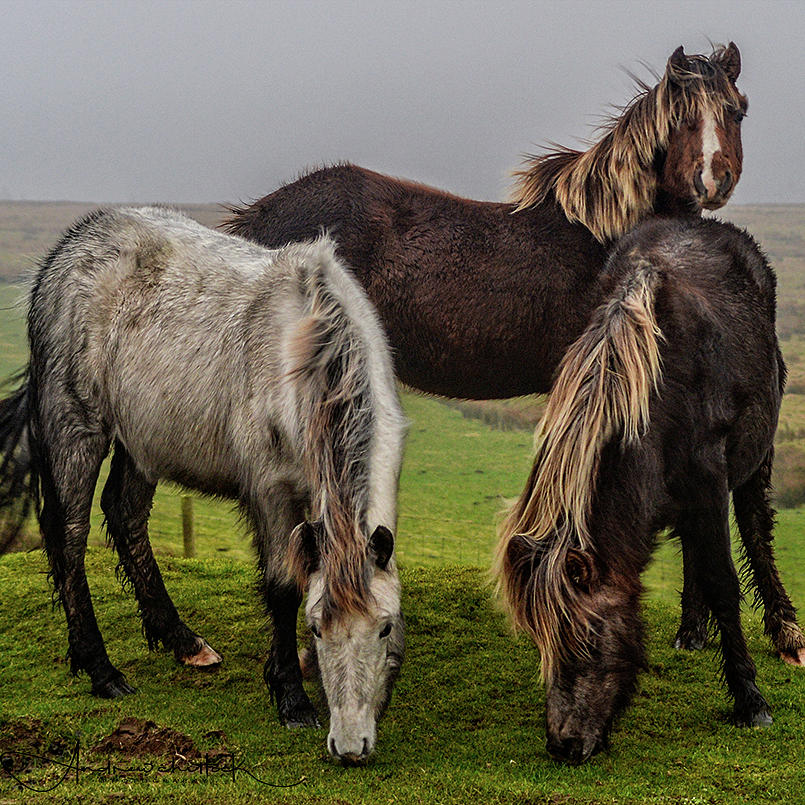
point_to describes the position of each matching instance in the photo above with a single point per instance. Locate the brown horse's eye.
(739, 116)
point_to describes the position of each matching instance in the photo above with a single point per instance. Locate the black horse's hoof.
(688, 644)
(756, 718)
(690, 639)
(113, 688)
(295, 710)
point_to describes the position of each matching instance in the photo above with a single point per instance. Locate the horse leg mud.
(68, 473)
(274, 520)
(695, 621)
(126, 502)
(704, 530)
(755, 518)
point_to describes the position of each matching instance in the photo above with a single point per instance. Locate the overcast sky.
(134, 100)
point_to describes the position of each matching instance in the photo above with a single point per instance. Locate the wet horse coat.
(255, 375)
(481, 300)
(666, 404)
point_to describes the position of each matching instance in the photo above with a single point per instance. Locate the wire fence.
(422, 541)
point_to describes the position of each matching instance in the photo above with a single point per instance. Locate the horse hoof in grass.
(759, 718)
(113, 688)
(688, 643)
(794, 657)
(301, 718)
(204, 657)
(298, 713)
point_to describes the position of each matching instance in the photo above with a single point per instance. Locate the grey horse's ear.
(382, 546)
(677, 63)
(730, 61)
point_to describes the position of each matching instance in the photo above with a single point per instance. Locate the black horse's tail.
(18, 477)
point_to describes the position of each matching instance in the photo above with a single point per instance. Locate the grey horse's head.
(359, 644)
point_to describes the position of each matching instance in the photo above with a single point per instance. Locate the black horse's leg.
(68, 467)
(704, 530)
(126, 502)
(276, 517)
(693, 625)
(755, 518)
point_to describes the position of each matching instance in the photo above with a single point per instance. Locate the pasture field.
(465, 724)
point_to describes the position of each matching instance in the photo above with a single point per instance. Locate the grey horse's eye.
(315, 629)
(385, 631)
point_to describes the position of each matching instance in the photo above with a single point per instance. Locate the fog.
(221, 101)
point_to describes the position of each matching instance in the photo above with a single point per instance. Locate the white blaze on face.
(710, 147)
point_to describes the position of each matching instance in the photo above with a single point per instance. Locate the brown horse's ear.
(381, 544)
(677, 63)
(581, 568)
(302, 557)
(730, 61)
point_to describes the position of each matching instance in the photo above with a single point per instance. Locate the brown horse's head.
(675, 147)
(704, 158)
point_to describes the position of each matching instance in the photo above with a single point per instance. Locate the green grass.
(465, 724)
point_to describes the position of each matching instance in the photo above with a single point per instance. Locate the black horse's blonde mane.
(602, 392)
(612, 185)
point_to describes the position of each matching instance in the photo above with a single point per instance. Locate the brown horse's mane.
(602, 391)
(613, 184)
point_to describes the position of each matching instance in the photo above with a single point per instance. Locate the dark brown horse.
(629, 448)
(481, 300)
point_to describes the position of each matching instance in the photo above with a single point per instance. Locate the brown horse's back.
(478, 301)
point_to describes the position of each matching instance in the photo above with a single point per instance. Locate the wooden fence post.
(187, 527)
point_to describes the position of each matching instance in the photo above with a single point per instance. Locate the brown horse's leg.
(694, 623)
(273, 520)
(704, 530)
(755, 518)
(126, 502)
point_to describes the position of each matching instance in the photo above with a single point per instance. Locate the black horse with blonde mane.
(667, 402)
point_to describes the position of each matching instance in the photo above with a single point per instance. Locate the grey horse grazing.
(261, 376)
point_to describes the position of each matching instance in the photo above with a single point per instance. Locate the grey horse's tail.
(19, 480)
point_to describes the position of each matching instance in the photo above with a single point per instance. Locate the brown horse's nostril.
(725, 185)
(698, 183)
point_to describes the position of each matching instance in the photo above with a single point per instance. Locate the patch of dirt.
(135, 737)
(21, 740)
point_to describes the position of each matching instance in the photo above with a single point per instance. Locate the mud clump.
(136, 737)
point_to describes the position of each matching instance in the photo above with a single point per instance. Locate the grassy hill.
(466, 723)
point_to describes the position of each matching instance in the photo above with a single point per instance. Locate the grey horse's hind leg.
(273, 521)
(755, 518)
(126, 502)
(69, 467)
